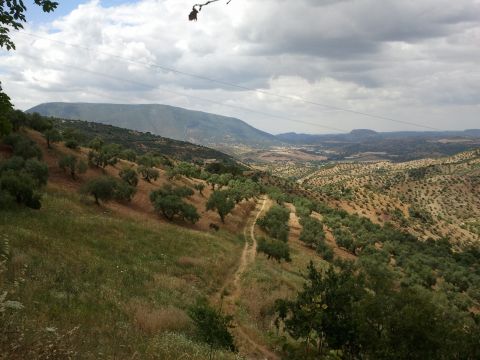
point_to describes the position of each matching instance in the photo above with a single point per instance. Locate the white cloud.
(411, 60)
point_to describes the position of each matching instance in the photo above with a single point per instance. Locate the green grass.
(86, 266)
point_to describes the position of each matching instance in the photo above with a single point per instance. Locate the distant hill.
(396, 146)
(168, 121)
(142, 142)
(361, 134)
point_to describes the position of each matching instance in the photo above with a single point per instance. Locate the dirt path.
(249, 345)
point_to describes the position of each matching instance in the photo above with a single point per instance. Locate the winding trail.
(248, 344)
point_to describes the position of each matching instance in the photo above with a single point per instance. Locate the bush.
(275, 249)
(129, 176)
(72, 144)
(148, 173)
(169, 202)
(52, 135)
(23, 147)
(275, 222)
(102, 188)
(104, 155)
(129, 155)
(21, 180)
(212, 326)
(39, 123)
(71, 163)
(21, 186)
(221, 202)
(312, 232)
(124, 191)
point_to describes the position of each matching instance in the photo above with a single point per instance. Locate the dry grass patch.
(151, 321)
(187, 261)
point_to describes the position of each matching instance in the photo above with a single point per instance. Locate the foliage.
(303, 207)
(12, 14)
(312, 232)
(278, 250)
(359, 312)
(243, 189)
(221, 202)
(103, 155)
(5, 107)
(101, 188)
(183, 168)
(73, 165)
(21, 180)
(39, 123)
(199, 187)
(130, 176)
(23, 146)
(129, 155)
(148, 173)
(124, 191)
(212, 326)
(72, 144)
(275, 222)
(420, 214)
(52, 135)
(169, 201)
(139, 142)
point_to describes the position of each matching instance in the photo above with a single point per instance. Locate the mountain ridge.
(164, 120)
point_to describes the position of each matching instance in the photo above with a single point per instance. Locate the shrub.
(104, 156)
(128, 154)
(148, 173)
(275, 249)
(21, 180)
(72, 144)
(312, 232)
(221, 202)
(212, 326)
(102, 188)
(275, 222)
(52, 135)
(169, 202)
(23, 146)
(124, 191)
(71, 163)
(129, 176)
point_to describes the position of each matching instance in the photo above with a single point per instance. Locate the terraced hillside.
(431, 198)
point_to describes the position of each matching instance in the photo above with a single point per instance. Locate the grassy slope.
(112, 276)
(125, 276)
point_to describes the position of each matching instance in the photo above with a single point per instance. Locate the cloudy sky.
(406, 61)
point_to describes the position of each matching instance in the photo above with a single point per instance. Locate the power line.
(151, 86)
(237, 86)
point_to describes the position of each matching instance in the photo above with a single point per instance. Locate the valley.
(123, 279)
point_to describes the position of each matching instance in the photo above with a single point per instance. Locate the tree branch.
(198, 7)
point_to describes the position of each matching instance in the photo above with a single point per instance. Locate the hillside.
(429, 198)
(121, 278)
(168, 121)
(141, 142)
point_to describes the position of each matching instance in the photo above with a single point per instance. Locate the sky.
(309, 66)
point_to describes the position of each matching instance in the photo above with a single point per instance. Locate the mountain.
(167, 121)
(362, 134)
(396, 146)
